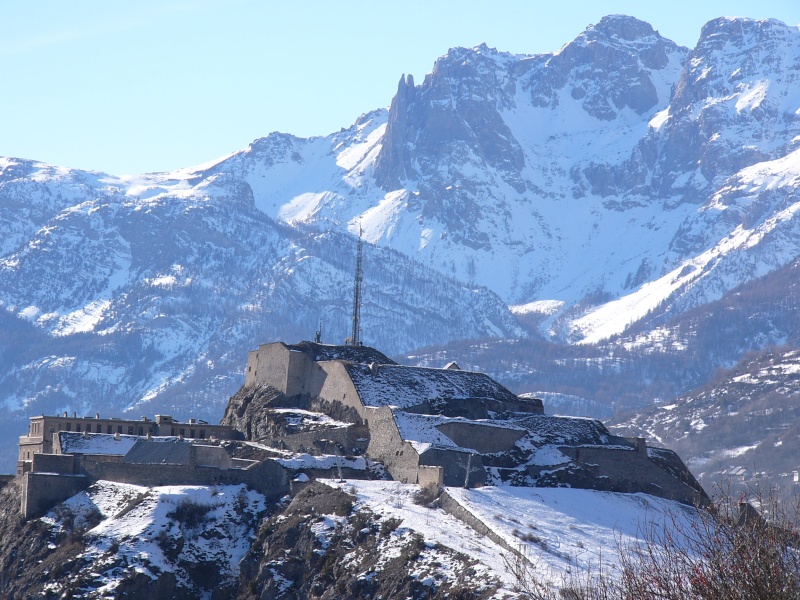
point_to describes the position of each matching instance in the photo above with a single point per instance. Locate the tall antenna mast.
(354, 338)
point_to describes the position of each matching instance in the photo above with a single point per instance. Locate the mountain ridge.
(618, 179)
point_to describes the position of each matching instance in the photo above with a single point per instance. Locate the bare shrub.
(730, 552)
(190, 514)
(428, 495)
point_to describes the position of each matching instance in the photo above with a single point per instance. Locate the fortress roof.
(150, 452)
(401, 386)
(356, 354)
(95, 443)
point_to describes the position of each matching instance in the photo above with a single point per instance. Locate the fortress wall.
(326, 441)
(297, 375)
(332, 382)
(41, 491)
(483, 438)
(453, 507)
(53, 463)
(454, 465)
(267, 477)
(627, 471)
(277, 366)
(210, 456)
(385, 444)
(430, 476)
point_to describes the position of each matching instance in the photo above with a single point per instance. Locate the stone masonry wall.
(432, 476)
(625, 471)
(454, 465)
(385, 445)
(54, 463)
(266, 477)
(483, 438)
(329, 380)
(40, 491)
(277, 366)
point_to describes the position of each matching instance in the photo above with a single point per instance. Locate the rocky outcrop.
(319, 547)
(250, 410)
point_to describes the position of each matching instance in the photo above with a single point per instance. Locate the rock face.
(130, 542)
(294, 557)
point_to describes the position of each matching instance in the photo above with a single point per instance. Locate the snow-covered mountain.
(740, 430)
(621, 179)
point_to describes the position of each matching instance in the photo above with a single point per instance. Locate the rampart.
(386, 445)
(485, 439)
(70, 474)
(40, 491)
(622, 470)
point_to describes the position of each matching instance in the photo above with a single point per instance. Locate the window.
(99, 428)
(183, 432)
(69, 426)
(202, 434)
(110, 429)
(119, 428)
(191, 433)
(130, 429)
(141, 430)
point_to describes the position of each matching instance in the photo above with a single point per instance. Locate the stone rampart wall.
(325, 441)
(430, 476)
(210, 456)
(451, 506)
(266, 477)
(454, 464)
(40, 491)
(385, 445)
(277, 366)
(483, 438)
(629, 471)
(331, 382)
(53, 463)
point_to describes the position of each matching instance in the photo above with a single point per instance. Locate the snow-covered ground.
(560, 532)
(140, 527)
(558, 529)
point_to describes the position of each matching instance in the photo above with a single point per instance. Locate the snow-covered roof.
(356, 354)
(149, 452)
(401, 386)
(571, 431)
(423, 431)
(99, 443)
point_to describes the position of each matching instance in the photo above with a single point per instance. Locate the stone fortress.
(312, 410)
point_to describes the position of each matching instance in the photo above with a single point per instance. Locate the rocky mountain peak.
(452, 115)
(621, 27)
(736, 99)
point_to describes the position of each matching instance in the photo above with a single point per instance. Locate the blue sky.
(154, 85)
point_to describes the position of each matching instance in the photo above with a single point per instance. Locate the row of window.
(131, 430)
(35, 429)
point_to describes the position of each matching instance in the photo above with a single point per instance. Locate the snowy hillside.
(741, 430)
(200, 542)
